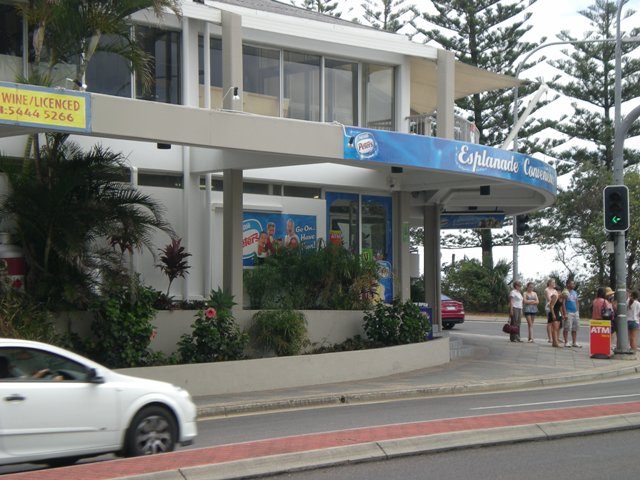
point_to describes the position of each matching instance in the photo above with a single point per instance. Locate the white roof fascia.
(328, 32)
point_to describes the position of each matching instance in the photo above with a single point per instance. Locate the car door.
(56, 413)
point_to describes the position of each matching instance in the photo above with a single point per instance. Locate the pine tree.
(486, 34)
(388, 15)
(574, 223)
(326, 7)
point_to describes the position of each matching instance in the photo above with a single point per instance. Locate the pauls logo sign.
(365, 145)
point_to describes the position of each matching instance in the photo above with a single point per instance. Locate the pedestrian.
(515, 310)
(530, 308)
(633, 320)
(611, 298)
(556, 313)
(572, 321)
(549, 292)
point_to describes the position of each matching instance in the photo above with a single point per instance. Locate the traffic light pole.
(622, 342)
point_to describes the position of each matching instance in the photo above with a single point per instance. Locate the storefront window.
(261, 82)
(341, 91)
(376, 223)
(108, 72)
(302, 86)
(379, 99)
(164, 48)
(343, 212)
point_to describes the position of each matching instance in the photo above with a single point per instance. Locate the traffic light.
(616, 208)
(521, 225)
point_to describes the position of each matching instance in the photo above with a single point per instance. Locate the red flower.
(210, 312)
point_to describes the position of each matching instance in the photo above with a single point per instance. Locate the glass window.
(159, 180)
(27, 364)
(304, 192)
(261, 80)
(343, 222)
(215, 59)
(108, 72)
(302, 86)
(379, 101)
(257, 188)
(375, 228)
(164, 48)
(10, 43)
(341, 91)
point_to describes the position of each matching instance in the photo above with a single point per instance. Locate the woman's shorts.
(632, 325)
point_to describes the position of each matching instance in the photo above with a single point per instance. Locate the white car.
(56, 407)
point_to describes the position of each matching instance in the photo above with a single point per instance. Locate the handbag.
(511, 329)
(606, 312)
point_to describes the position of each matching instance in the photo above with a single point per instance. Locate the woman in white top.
(633, 320)
(515, 309)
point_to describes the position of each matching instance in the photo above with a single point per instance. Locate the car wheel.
(152, 430)
(447, 326)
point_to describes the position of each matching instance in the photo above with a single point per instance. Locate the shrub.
(215, 335)
(122, 324)
(396, 324)
(281, 331)
(20, 317)
(328, 277)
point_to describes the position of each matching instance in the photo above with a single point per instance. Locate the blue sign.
(403, 149)
(481, 220)
(264, 233)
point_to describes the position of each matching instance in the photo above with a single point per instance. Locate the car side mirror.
(93, 377)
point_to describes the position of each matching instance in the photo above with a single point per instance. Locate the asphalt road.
(597, 457)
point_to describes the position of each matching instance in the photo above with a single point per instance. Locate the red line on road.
(301, 443)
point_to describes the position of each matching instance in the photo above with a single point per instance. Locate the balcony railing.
(463, 129)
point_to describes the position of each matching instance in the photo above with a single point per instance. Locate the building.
(332, 129)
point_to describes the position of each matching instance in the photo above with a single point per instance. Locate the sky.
(549, 17)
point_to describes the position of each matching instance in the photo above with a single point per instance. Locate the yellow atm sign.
(45, 108)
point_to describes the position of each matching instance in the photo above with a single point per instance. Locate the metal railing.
(463, 129)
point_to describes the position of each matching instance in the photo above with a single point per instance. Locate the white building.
(291, 115)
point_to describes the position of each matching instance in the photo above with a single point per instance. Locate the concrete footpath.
(483, 363)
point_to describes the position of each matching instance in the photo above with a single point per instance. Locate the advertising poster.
(55, 109)
(263, 233)
(478, 221)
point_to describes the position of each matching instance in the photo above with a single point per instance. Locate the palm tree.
(69, 32)
(65, 224)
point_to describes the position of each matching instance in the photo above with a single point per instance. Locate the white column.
(446, 94)
(231, 59)
(401, 254)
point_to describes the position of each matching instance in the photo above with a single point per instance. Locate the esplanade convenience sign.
(403, 149)
(45, 108)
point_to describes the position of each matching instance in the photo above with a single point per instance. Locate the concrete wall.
(290, 372)
(325, 327)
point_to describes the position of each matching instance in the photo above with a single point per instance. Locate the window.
(164, 48)
(108, 72)
(378, 86)
(344, 220)
(261, 80)
(303, 192)
(341, 91)
(302, 86)
(215, 60)
(27, 364)
(256, 188)
(159, 180)
(10, 43)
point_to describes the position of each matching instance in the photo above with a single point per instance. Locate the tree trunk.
(486, 241)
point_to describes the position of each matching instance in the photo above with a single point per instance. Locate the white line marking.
(570, 400)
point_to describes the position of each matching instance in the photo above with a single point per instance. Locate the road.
(603, 456)
(296, 422)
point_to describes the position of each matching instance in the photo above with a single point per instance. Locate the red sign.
(600, 338)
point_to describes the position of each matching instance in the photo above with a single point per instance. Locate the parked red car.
(452, 312)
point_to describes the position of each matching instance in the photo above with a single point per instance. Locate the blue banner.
(263, 233)
(403, 149)
(481, 220)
